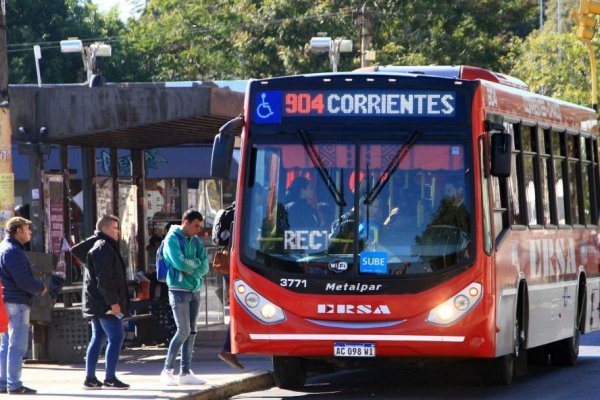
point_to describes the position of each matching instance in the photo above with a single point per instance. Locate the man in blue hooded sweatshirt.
(188, 264)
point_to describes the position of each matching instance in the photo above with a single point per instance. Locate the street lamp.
(323, 44)
(88, 54)
(37, 54)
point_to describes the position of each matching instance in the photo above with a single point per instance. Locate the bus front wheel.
(566, 351)
(500, 370)
(289, 372)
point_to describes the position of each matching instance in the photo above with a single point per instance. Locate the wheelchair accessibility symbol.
(264, 109)
(268, 107)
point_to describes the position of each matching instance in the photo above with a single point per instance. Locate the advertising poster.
(7, 199)
(128, 218)
(54, 212)
(104, 196)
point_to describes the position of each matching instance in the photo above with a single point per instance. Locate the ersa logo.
(338, 266)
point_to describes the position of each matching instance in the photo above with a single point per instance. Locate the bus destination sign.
(271, 106)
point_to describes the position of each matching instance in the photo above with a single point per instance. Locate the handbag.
(220, 262)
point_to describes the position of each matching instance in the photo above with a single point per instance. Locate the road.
(452, 380)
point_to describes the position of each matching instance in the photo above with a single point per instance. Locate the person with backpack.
(221, 236)
(188, 264)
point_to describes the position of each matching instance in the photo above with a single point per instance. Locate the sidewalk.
(140, 368)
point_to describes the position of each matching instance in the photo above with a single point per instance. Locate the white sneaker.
(167, 378)
(190, 379)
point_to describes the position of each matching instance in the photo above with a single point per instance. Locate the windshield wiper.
(392, 166)
(315, 158)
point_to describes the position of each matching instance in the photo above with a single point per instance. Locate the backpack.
(221, 232)
(162, 268)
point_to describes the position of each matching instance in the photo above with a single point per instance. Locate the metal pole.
(558, 16)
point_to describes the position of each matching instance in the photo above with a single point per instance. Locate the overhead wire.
(25, 47)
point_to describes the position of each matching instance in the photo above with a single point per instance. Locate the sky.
(106, 5)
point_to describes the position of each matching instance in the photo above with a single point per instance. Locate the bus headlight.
(457, 306)
(252, 300)
(255, 304)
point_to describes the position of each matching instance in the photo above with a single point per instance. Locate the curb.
(260, 380)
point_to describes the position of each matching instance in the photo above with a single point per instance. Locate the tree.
(551, 20)
(205, 39)
(554, 65)
(45, 23)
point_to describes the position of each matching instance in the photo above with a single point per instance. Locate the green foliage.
(46, 23)
(551, 19)
(208, 40)
(554, 65)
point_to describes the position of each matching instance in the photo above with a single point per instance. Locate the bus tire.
(500, 370)
(566, 351)
(289, 372)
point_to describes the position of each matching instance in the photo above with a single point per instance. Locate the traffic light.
(585, 18)
(589, 7)
(585, 26)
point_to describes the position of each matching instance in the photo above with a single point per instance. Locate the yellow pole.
(590, 48)
(7, 180)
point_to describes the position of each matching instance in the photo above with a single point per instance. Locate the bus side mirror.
(222, 151)
(501, 155)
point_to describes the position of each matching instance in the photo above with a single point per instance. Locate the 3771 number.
(292, 283)
(303, 103)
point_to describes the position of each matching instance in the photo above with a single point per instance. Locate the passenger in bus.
(446, 239)
(401, 224)
(274, 223)
(372, 219)
(342, 230)
(301, 214)
(257, 215)
(452, 210)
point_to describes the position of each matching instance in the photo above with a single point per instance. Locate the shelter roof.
(122, 115)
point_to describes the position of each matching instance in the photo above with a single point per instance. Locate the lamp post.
(323, 44)
(37, 54)
(88, 54)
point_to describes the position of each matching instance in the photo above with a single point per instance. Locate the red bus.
(423, 212)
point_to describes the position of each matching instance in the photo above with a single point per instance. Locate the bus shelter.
(114, 128)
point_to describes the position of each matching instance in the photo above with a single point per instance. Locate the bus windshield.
(366, 207)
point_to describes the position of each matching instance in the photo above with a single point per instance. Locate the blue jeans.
(109, 328)
(185, 306)
(14, 345)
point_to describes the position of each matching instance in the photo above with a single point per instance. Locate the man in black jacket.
(105, 300)
(20, 286)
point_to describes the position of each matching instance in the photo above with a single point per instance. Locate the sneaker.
(190, 379)
(230, 359)
(22, 390)
(92, 384)
(115, 384)
(167, 378)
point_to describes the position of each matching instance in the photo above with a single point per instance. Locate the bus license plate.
(354, 349)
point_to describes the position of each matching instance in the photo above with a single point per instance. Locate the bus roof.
(504, 94)
(453, 72)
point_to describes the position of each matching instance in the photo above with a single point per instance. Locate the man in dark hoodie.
(105, 300)
(20, 286)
